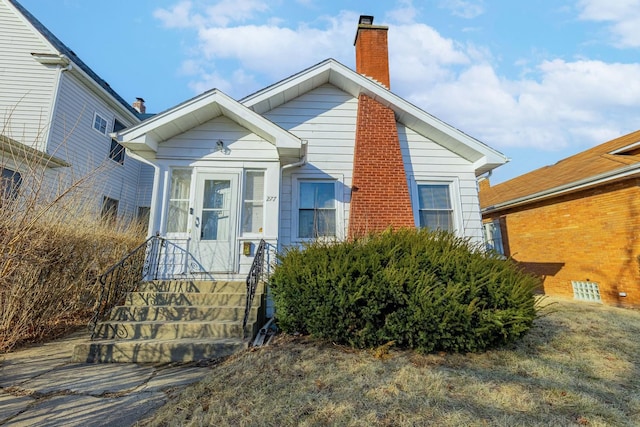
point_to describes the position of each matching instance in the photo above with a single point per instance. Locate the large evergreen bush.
(424, 290)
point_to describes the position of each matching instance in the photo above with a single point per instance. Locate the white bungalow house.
(56, 113)
(326, 153)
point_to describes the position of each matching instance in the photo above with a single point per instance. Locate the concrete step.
(155, 351)
(181, 313)
(185, 299)
(168, 330)
(188, 286)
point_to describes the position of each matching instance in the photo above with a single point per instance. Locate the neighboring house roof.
(146, 136)
(64, 50)
(23, 153)
(331, 71)
(613, 160)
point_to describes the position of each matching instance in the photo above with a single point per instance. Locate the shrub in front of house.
(430, 291)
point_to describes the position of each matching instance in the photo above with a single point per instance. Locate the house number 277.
(271, 198)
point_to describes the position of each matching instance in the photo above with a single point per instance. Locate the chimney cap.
(139, 99)
(365, 20)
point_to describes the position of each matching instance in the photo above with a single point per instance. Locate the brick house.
(575, 223)
(326, 153)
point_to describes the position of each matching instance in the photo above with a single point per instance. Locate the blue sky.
(538, 81)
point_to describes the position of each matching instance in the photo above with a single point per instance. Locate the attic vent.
(586, 291)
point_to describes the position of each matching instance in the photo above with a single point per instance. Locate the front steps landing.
(174, 321)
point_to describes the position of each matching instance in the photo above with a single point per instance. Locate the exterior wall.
(326, 119)
(424, 160)
(27, 88)
(591, 235)
(74, 139)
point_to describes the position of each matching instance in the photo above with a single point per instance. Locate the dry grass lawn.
(579, 365)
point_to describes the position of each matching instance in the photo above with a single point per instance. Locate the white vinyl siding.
(326, 118)
(427, 161)
(27, 87)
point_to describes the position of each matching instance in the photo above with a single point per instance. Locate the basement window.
(586, 291)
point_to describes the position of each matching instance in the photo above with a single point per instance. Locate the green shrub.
(430, 291)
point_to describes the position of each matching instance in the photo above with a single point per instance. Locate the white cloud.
(552, 105)
(623, 17)
(463, 8)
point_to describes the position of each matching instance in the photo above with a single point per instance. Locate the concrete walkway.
(39, 386)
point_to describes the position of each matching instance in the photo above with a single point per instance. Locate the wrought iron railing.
(253, 279)
(156, 258)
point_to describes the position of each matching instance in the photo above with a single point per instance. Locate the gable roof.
(612, 160)
(64, 50)
(331, 71)
(146, 136)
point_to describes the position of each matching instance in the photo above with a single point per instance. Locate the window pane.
(10, 182)
(216, 194)
(316, 223)
(178, 216)
(252, 214)
(215, 225)
(436, 220)
(180, 183)
(317, 195)
(434, 196)
(254, 185)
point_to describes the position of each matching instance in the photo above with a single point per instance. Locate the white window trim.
(242, 234)
(93, 123)
(165, 219)
(454, 192)
(340, 224)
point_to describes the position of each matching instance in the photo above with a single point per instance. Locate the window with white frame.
(435, 206)
(493, 236)
(253, 203)
(180, 191)
(316, 209)
(100, 123)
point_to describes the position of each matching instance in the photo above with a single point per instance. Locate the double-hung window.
(253, 204)
(493, 236)
(435, 206)
(100, 123)
(316, 209)
(178, 215)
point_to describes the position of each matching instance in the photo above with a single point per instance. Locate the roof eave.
(603, 178)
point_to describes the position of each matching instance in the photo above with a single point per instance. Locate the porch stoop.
(175, 321)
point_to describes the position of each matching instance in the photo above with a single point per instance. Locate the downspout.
(299, 163)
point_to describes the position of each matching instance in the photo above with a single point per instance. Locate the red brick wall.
(372, 56)
(380, 194)
(591, 235)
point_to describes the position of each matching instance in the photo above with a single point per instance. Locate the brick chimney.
(139, 106)
(372, 55)
(380, 192)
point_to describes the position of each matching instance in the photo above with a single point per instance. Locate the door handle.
(197, 222)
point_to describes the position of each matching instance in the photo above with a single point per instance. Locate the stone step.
(155, 351)
(185, 299)
(168, 330)
(182, 313)
(197, 286)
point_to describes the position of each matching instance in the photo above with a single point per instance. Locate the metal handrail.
(124, 277)
(253, 278)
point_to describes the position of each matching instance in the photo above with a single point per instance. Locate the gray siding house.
(57, 110)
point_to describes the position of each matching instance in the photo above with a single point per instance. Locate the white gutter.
(301, 162)
(567, 188)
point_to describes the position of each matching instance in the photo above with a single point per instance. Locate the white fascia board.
(582, 184)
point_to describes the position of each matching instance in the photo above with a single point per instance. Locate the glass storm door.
(216, 221)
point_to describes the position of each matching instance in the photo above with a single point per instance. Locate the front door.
(216, 221)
